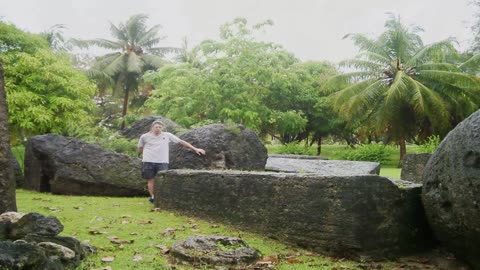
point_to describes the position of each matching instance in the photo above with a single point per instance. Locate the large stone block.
(451, 190)
(64, 165)
(413, 166)
(339, 215)
(227, 147)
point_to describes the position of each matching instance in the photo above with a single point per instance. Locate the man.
(154, 146)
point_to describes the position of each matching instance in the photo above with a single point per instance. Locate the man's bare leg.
(151, 188)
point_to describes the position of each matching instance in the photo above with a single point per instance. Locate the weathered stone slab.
(227, 147)
(319, 166)
(413, 166)
(340, 215)
(451, 190)
(64, 165)
(215, 250)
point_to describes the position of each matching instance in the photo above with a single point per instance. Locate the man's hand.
(199, 151)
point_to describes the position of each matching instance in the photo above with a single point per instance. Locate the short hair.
(157, 122)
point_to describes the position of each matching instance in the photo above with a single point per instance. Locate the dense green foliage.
(241, 80)
(44, 92)
(369, 152)
(404, 89)
(431, 144)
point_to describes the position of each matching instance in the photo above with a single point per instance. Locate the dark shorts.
(150, 170)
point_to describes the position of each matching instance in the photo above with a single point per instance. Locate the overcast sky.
(311, 29)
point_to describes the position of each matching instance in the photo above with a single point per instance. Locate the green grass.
(98, 219)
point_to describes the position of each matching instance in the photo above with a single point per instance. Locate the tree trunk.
(7, 179)
(319, 145)
(403, 150)
(125, 104)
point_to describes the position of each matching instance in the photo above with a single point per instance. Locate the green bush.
(293, 148)
(369, 152)
(431, 144)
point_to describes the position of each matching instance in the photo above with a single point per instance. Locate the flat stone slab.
(319, 166)
(338, 215)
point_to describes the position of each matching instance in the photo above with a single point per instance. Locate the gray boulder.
(35, 223)
(413, 166)
(143, 126)
(226, 146)
(451, 190)
(17, 171)
(63, 165)
(22, 255)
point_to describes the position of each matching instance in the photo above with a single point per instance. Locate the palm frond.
(441, 47)
(397, 90)
(340, 81)
(416, 99)
(473, 63)
(107, 44)
(368, 97)
(367, 44)
(438, 66)
(374, 57)
(362, 65)
(134, 63)
(150, 38)
(135, 27)
(116, 66)
(154, 61)
(118, 32)
(456, 79)
(345, 95)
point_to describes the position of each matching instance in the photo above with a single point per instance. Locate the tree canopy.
(404, 87)
(136, 51)
(44, 92)
(239, 79)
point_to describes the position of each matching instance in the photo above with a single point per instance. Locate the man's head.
(156, 127)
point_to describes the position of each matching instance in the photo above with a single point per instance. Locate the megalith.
(451, 190)
(64, 165)
(413, 166)
(227, 146)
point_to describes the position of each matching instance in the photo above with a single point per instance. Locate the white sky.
(311, 29)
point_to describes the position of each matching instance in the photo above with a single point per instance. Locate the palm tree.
(54, 37)
(136, 52)
(403, 86)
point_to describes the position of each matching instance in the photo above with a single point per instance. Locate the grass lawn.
(146, 234)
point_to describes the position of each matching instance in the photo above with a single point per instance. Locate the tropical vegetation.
(404, 89)
(135, 52)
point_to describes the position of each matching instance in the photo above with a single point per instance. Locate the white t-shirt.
(156, 148)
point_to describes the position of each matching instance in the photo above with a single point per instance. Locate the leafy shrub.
(121, 145)
(431, 144)
(295, 148)
(369, 152)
